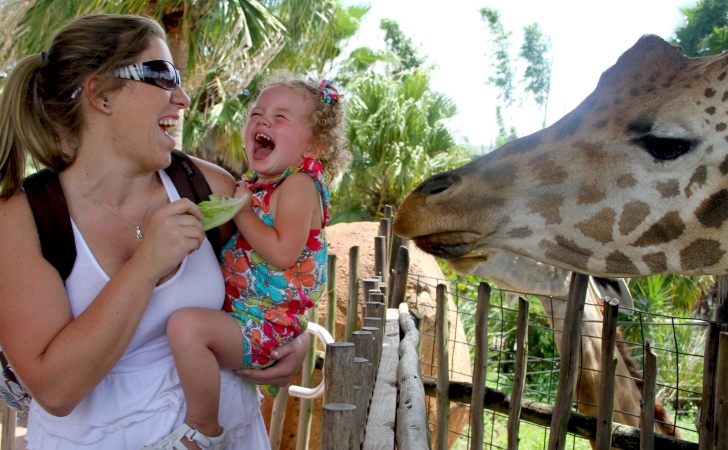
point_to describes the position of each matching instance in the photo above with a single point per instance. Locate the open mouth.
(447, 245)
(167, 124)
(263, 146)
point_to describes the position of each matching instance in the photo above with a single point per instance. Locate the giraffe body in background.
(549, 284)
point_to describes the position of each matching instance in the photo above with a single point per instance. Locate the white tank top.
(141, 400)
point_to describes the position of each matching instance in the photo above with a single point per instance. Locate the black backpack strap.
(50, 211)
(191, 183)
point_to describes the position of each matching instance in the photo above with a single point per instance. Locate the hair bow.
(327, 95)
(43, 56)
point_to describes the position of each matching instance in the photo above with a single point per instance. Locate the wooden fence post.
(570, 340)
(401, 272)
(519, 374)
(339, 373)
(352, 310)
(609, 369)
(380, 258)
(443, 374)
(9, 418)
(647, 405)
(305, 413)
(338, 434)
(721, 395)
(480, 366)
(277, 417)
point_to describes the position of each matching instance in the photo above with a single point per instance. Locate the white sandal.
(174, 440)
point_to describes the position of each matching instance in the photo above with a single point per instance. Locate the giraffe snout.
(438, 183)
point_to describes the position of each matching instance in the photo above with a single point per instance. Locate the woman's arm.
(60, 359)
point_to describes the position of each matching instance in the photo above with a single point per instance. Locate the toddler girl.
(275, 266)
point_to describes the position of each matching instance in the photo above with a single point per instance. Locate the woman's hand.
(173, 232)
(290, 358)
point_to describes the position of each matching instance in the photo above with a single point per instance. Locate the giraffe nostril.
(438, 183)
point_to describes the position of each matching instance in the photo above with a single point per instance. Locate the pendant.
(139, 234)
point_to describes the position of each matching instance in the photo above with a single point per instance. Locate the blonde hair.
(40, 108)
(327, 121)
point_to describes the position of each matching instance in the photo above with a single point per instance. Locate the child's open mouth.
(263, 146)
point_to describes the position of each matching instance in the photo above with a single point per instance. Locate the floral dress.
(269, 303)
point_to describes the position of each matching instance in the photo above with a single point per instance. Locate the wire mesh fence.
(679, 343)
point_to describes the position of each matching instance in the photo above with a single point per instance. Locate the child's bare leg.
(202, 341)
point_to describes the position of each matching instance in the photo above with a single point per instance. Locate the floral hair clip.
(327, 95)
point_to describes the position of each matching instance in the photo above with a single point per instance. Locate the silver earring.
(107, 106)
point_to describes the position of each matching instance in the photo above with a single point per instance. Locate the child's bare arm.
(297, 206)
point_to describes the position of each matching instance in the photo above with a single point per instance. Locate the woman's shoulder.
(15, 212)
(219, 179)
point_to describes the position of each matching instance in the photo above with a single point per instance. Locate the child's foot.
(185, 438)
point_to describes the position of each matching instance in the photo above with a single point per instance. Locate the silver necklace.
(139, 234)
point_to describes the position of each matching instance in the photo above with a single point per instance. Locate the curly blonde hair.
(327, 121)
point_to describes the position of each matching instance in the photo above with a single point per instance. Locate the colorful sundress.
(270, 303)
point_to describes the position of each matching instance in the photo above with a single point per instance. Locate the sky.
(586, 36)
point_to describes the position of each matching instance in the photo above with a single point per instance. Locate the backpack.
(50, 212)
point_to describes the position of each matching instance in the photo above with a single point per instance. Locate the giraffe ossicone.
(632, 182)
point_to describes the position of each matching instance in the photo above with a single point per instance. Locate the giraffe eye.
(665, 149)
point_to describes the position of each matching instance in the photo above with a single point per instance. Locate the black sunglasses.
(159, 72)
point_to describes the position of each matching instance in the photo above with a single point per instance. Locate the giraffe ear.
(615, 288)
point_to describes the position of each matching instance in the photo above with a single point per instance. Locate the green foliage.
(401, 45)
(504, 76)
(397, 135)
(705, 28)
(536, 78)
(538, 72)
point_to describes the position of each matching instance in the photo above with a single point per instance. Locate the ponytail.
(23, 131)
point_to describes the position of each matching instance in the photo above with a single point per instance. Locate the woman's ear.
(315, 150)
(97, 99)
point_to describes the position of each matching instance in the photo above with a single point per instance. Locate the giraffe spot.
(499, 176)
(567, 126)
(590, 193)
(599, 226)
(643, 125)
(549, 173)
(713, 211)
(669, 188)
(710, 110)
(617, 262)
(724, 166)
(668, 228)
(633, 214)
(626, 181)
(601, 124)
(547, 206)
(687, 86)
(709, 149)
(725, 96)
(634, 92)
(520, 233)
(656, 262)
(697, 180)
(566, 251)
(701, 253)
(720, 127)
(709, 92)
(592, 152)
(721, 76)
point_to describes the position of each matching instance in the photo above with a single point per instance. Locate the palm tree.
(397, 134)
(220, 47)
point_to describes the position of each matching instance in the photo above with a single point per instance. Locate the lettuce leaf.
(219, 210)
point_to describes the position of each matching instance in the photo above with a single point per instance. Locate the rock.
(421, 298)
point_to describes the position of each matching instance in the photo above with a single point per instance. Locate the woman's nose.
(180, 98)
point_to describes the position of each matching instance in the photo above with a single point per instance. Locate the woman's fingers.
(290, 356)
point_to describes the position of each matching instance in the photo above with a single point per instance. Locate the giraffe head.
(632, 182)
